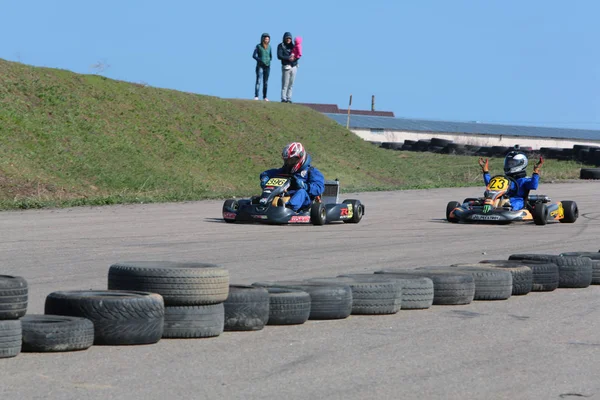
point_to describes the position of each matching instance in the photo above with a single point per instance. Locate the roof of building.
(421, 125)
(334, 109)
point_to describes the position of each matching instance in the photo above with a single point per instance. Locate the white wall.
(472, 139)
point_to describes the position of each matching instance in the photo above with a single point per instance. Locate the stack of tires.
(13, 305)
(193, 294)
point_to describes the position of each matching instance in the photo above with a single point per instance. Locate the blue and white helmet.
(515, 164)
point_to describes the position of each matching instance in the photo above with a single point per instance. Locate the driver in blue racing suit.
(515, 166)
(307, 181)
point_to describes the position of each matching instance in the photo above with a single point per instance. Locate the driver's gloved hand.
(538, 165)
(484, 164)
(263, 181)
(300, 184)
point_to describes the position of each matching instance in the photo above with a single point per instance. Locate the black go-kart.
(268, 208)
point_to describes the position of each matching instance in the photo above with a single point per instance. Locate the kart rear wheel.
(231, 204)
(449, 208)
(571, 211)
(540, 214)
(357, 211)
(318, 214)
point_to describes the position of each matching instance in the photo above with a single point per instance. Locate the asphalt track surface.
(538, 346)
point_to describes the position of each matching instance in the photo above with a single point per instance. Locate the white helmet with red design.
(294, 156)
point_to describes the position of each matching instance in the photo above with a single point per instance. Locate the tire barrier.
(201, 306)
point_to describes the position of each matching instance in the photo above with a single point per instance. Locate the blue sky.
(528, 62)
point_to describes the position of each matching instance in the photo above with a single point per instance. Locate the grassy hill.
(72, 139)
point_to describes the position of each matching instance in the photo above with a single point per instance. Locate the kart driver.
(307, 181)
(515, 166)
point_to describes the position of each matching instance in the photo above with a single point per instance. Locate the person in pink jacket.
(297, 50)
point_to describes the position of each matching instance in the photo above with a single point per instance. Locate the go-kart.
(268, 207)
(495, 207)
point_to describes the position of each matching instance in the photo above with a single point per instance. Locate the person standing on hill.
(262, 55)
(289, 65)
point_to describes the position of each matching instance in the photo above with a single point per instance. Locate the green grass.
(70, 139)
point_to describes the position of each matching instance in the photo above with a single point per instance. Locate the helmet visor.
(512, 162)
(290, 162)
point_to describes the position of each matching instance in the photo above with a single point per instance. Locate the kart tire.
(246, 308)
(589, 173)
(371, 297)
(490, 284)
(571, 211)
(449, 287)
(288, 306)
(573, 271)
(449, 208)
(231, 204)
(54, 333)
(522, 276)
(119, 317)
(358, 210)
(540, 214)
(417, 291)
(179, 283)
(10, 338)
(318, 214)
(14, 293)
(194, 321)
(328, 300)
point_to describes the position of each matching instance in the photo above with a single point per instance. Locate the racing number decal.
(498, 183)
(349, 211)
(276, 182)
(344, 212)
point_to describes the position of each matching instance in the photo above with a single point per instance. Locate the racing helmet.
(515, 164)
(294, 157)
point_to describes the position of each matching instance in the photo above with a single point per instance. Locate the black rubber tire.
(288, 306)
(571, 211)
(10, 338)
(544, 274)
(449, 288)
(573, 272)
(179, 283)
(449, 208)
(595, 257)
(328, 300)
(358, 210)
(440, 142)
(194, 321)
(246, 308)
(371, 297)
(540, 214)
(119, 317)
(14, 294)
(589, 173)
(417, 291)
(230, 204)
(318, 214)
(55, 333)
(522, 275)
(490, 284)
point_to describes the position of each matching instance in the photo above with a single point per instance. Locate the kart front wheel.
(358, 211)
(571, 211)
(540, 214)
(318, 214)
(228, 206)
(449, 208)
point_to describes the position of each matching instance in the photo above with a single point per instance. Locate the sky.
(533, 62)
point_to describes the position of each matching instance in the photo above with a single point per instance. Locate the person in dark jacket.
(515, 166)
(307, 181)
(262, 55)
(289, 66)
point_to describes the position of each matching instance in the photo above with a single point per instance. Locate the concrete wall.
(380, 135)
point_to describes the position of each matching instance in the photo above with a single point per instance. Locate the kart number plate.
(498, 183)
(276, 182)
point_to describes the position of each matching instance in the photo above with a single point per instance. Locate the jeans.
(262, 73)
(287, 82)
